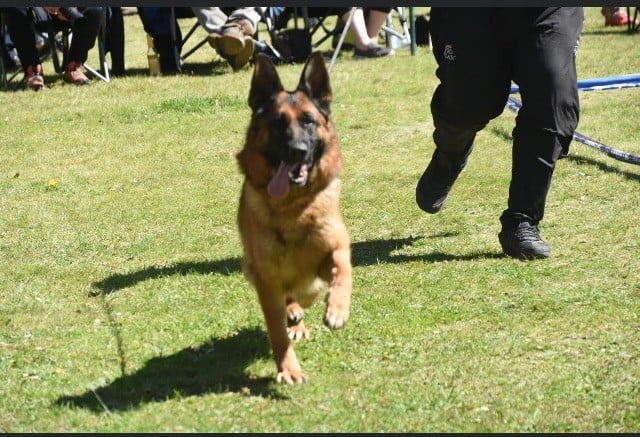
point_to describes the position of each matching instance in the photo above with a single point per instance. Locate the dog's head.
(290, 130)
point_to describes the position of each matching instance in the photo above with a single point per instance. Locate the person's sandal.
(34, 78)
(74, 74)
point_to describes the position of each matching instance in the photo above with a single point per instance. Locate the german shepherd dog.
(294, 238)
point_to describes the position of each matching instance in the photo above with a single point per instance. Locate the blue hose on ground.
(602, 83)
(514, 105)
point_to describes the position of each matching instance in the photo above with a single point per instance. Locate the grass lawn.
(123, 307)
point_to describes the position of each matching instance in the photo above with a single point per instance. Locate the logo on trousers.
(448, 53)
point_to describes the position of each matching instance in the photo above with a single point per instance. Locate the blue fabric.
(155, 20)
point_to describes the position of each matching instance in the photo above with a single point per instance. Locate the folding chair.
(177, 41)
(314, 20)
(633, 25)
(294, 44)
(110, 40)
(395, 38)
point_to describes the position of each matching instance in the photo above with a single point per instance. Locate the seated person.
(21, 23)
(232, 35)
(365, 26)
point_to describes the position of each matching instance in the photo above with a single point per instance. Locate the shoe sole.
(518, 254)
(36, 86)
(229, 45)
(525, 256)
(431, 208)
(243, 57)
(364, 56)
(77, 82)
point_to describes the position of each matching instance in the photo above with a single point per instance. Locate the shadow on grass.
(613, 31)
(212, 68)
(364, 253)
(217, 366)
(581, 160)
(123, 280)
(367, 253)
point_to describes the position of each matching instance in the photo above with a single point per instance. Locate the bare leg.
(374, 21)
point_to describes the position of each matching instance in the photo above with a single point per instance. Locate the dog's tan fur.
(296, 244)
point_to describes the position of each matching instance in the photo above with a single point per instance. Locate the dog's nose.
(298, 150)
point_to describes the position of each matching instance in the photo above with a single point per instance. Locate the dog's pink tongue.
(279, 184)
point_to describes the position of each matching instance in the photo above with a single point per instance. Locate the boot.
(34, 78)
(232, 39)
(73, 74)
(244, 56)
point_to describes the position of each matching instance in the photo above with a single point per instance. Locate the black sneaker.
(376, 51)
(436, 182)
(523, 241)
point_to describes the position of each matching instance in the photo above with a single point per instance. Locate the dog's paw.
(295, 313)
(335, 317)
(291, 377)
(298, 331)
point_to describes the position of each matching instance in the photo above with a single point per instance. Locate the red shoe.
(73, 74)
(34, 77)
(615, 16)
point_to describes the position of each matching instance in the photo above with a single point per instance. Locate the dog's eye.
(308, 119)
(279, 119)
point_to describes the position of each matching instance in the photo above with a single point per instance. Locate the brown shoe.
(245, 26)
(232, 39)
(73, 74)
(244, 56)
(34, 78)
(213, 40)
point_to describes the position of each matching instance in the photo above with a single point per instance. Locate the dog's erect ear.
(315, 82)
(265, 82)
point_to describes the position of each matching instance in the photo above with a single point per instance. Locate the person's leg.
(375, 19)
(242, 25)
(364, 45)
(83, 40)
(211, 18)
(545, 70)
(474, 86)
(85, 34)
(20, 27)
(234, 40)
(250, 14)
(156, 21)
(114, 42)
(358, 27)
(20, 24)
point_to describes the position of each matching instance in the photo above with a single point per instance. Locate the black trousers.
(479, 52)
(22, 21)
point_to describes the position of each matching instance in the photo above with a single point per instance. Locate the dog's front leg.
(274, 309)
(339, 298)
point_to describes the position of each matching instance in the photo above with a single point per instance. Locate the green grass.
(123, 307)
